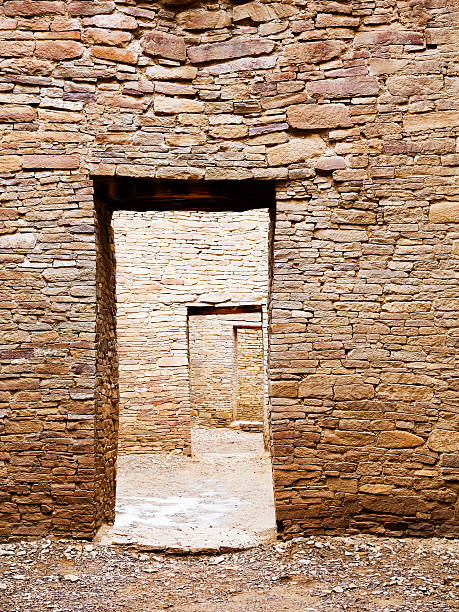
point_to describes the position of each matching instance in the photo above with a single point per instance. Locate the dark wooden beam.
(223, 310)
(150, 194)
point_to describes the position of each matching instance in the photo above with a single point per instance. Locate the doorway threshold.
(219, 500)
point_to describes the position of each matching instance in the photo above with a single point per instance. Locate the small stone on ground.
(320, 574)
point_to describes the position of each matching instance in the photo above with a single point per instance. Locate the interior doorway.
(192, 279)
(227, 353)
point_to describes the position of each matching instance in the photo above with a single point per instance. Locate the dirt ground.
(221, 498)
(359, 573)
(322, 574)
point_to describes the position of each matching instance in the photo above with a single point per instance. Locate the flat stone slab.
(256, 426)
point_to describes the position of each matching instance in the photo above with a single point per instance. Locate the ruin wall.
(249, 374)
(350, 108)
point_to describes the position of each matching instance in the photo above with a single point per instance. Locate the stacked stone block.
(352, 109)
(249, 374)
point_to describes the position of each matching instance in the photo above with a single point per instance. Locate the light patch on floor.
(219, 498)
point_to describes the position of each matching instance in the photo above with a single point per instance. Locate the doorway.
(183, 250)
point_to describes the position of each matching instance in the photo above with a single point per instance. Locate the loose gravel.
(321, 573)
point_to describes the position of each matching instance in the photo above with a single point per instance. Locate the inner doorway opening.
(227, 353)
(192, 278)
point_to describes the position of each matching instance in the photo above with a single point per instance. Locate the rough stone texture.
(166, 263)
(364, 285)
(249, 374)
(318, 116)
(164, 45)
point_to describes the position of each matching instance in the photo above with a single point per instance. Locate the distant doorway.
(227, 359)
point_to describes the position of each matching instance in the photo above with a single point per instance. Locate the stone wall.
(351, 108)
(225, 381)
(106, 387)
(168, 261)
(249, 374)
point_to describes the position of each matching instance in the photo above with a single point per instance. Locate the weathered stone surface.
(388, 37)
(316, 385)
(228, 174)
(296, 150)
(441, 36)
(88, 8)
(405, 392)
(22, 241)
(14, 48)
(245, 64)
(42, 162)
(347, 438)
(201, 19)
(329, 164)
(347, 235)
(229, 50)
(346, 485)
(107, 37)
(186, 173)
(284, 389)
(386, 66)
(256, 11)
(164, 45)
(443, 441)
(117, 21)
(318, 116)
(33, 8)
(17, 114)
(185, 140)
(413, 85)
(124, 56)
(354, 217)
(173, 73)
(327, 20)
(391, 504)
(59, 50)
(312, 52)
(8, 24)
(170, 106)
(9, 163)
(174, 89)
(422, 122)
(229, 132)
(349, 392)
(284, 101)
(344, 87)
(262, 13)
(444, 212)
(398, 439)
(175, 3)
(375, 489)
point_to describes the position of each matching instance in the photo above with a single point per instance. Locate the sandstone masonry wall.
(249, 374)
(351, 108)
(166, 262)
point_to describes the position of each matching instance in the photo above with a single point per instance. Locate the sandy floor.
(220, 499)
